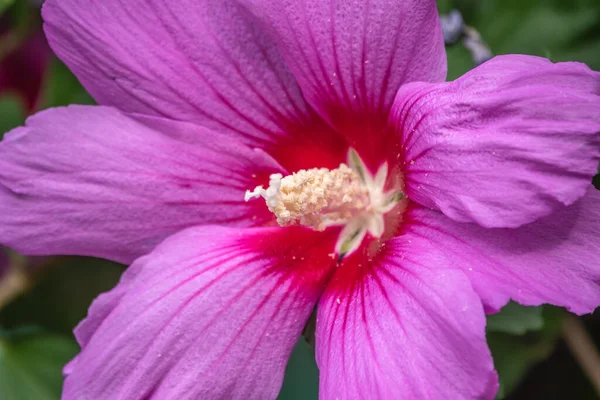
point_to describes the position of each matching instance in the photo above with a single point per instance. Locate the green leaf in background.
(301, 375)
(31, 363)
(62, 297)
(63, 88)
(11, 113)
(514, 355)
(558, 29)
(516, 319)
(4, 4)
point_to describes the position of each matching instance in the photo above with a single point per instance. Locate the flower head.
(399, 205)
(319, 198)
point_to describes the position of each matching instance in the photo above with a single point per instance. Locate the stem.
(583, 349)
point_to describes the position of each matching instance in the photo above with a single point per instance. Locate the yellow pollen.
(350, 196)
(316, 198)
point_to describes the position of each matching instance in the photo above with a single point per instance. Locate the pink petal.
(350, 57)
(211, 313)
(403, 325)
(509, 142)
(554, 260)
(203, 61)
(91, 181)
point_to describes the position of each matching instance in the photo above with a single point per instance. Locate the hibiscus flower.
(401, 207)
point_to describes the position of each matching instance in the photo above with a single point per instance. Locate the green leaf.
(11, 113)
(566, 30)
(4, 4)
(63, 294)
(63, 88)
(515, 355)
(301, 375)
(516, 319)
(31, 364)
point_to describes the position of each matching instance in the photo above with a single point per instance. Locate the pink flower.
(452, 197)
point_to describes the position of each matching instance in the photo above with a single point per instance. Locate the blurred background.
(540, 352)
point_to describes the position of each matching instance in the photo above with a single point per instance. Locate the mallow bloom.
(256, 160)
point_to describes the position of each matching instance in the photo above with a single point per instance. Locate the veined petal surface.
(88, 180)
(211, 313)
(509, 142)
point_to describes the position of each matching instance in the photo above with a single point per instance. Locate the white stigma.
(347, 196)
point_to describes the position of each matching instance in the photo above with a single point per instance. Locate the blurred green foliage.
(4, 4)
(301, 375)
(517, 344)
(519, 337)
(63, 88)
(12, 113)
(562, 30)
(62, 294)
(516, 319)
(31, 362)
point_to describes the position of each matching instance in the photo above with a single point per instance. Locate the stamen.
(317, 198)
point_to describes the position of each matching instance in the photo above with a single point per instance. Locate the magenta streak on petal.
(104, 304)
(275, 114)
(359, 52)
(314, 50)
(91, 181)
(204, 61)
(207, 62)
(211, 313)
(231, 104)
(334, 47)
(403, 324)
